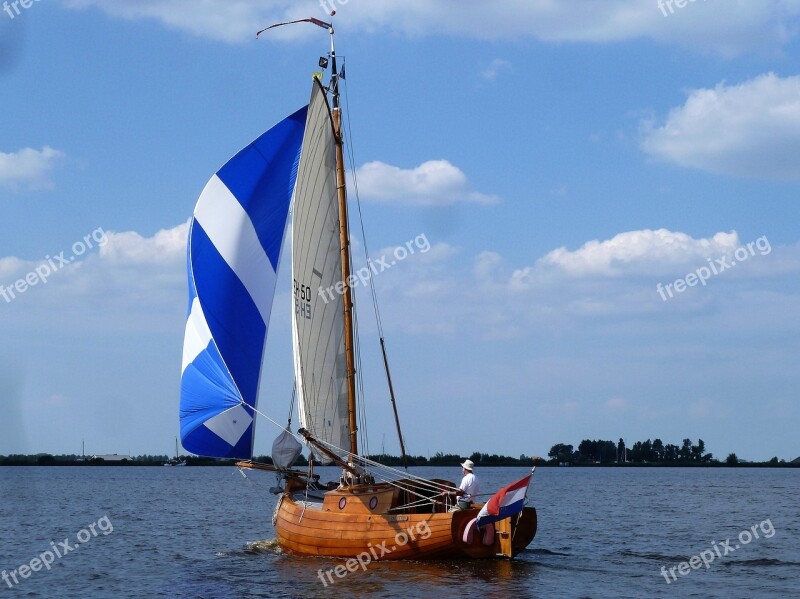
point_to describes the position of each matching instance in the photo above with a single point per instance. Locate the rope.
(280, 426)
(373, 292)
(291, 405)
(354, 177)
(399, 475)
(361, 404)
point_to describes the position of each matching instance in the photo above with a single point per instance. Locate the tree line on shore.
(589, 453)
(46, 459)
(645, 452)
(439, 459)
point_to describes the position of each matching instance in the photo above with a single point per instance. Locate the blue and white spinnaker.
(234, 248)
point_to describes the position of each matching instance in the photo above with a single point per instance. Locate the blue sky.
(562, 159)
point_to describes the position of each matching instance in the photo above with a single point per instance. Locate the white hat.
(468, 465)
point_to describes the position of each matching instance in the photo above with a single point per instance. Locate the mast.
(344, 234)
(344, 242)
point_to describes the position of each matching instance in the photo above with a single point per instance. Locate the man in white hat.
(468, 488)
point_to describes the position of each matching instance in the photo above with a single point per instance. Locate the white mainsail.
(318, 308)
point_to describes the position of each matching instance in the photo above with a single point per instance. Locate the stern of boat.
(506, 538)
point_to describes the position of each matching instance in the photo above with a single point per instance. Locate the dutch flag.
(507, 502)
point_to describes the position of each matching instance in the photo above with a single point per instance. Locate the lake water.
(205, 532)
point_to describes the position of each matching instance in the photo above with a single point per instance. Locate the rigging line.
(373, 292)
(425, 483)
(291, 404)
(366, 461)
(361, 404)
(398, 473)
(419, 502)
(280, 426)
(354, 177)
(413, 489)
(422, 482)
(422, 485)
(360, 383)
(423, 498)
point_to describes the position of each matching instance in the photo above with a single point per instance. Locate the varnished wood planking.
(333, 536)
(374, 536)
(356, 542)
(340, 525)
(341, 534)
(358, 503)
(433, 551)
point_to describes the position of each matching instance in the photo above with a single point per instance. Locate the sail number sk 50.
(302, 300)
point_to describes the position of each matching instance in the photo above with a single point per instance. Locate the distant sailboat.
(177, 461)
(234, 249)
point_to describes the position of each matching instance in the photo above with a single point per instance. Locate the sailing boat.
(177, 461)
(235, 242)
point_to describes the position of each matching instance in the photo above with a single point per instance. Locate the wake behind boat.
(235, 243)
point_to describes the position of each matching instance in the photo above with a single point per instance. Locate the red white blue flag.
(507, 502)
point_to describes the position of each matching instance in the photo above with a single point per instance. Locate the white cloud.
(604, 285)
(486, 264)
(616, 404)
(167, 245)
(497, 66)
(9, 266)
(637, 251)
(231, 21)
(28, 168)
(751, 129)
(435, 253)
(724, 27)
(126, 281)
(433, 183)
(121, 311)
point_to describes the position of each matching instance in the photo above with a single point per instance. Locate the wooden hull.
(350, 533)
